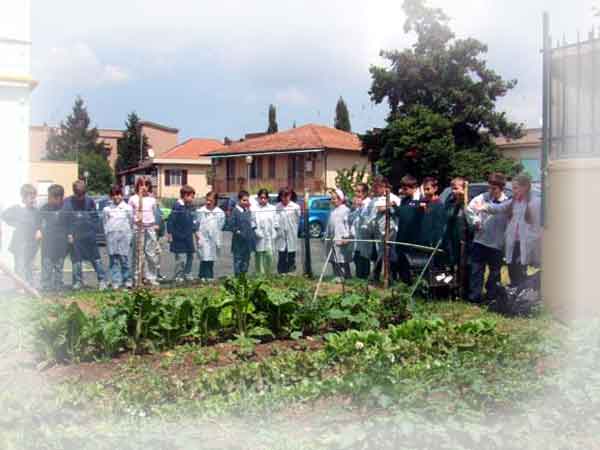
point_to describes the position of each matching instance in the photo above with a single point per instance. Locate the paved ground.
(223, 267)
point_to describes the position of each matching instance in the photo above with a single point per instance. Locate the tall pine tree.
(342, 116)
(272, 120)
(129, 145)
(74, 137)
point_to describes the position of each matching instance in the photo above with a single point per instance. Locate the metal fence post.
(386, 250)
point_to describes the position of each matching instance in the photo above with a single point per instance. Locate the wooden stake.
(386, 250)
(462, 264)
(140, 244)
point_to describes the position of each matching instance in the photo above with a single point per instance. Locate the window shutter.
(167, 178)
(184, 177)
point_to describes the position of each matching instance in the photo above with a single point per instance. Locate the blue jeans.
(183, 265)
(52, 273)
(241, 262)
(78, 271)
(119, 269)
(24, 267)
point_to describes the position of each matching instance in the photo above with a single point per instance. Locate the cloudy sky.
(212, 68)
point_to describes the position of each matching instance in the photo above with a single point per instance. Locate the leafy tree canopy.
(74, 137)
(342, 116)
(273, 128)
(101, 176)
(443, 84)
(129, 145)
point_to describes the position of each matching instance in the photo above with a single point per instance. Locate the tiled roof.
(193, 148)
(306, 137)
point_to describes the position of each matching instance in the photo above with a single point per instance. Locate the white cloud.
(292, 96)
(77, 65)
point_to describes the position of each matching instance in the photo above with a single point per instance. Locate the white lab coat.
(338, 228)
(267, 225)
(288, 218)
(210, 232)
(529, 234)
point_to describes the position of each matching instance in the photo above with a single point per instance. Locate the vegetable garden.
(257, 348)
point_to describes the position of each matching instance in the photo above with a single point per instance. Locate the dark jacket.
(456, 229)
(83, 224)
(181, 226)
(26, 222)
(54, 232)
(242, 227)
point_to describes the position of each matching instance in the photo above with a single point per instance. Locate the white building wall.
(15, 90)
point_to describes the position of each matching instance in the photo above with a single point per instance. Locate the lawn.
(259, 364)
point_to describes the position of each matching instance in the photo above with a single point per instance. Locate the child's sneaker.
(128, 285)
(76, 287)
(102, 286)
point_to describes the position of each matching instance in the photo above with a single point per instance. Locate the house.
(160, 138)
(186, 163)
(526, 150)
(304, 157)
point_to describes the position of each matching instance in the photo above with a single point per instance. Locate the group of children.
(486, 231)
(491, 228)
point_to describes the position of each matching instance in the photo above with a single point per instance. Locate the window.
(533, 168)
(230, 168)
(272, 166)
(256, 168)
(175, 177)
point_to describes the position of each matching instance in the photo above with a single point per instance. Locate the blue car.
(319, 211)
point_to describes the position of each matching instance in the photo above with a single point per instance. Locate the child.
(523, 232)
(430, 191)
(181, 227)
(243, 235)
(381, 188)
(117, 218)
(54, 239)
(146, 216)
(362, 230)
(409, 218)
(211, 220)
(82, 229)
(288, 218)
(338, 236)
(25, 219)
(488, 241)
(267, 226)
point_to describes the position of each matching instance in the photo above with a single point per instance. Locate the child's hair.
(497, 179)
(243, 194)
(213, 195)
(458, 180)
(287, 191)
(116, 190)
(186, 190)
(523, 180)
(56, 191)
(408, 181)
(79, 187)
(143, 181)
(379, 182)
(430, 180)
(27, 190)
(262, 192)
(364, 187)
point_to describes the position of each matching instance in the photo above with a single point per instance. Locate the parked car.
(318, 215)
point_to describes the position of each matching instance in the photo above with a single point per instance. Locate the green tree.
(100, 177)
(74, 137)
(342, 116)
(272, 120)
(129, 145)
(346, 179)
(442, 83)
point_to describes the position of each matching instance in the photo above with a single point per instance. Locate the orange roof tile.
(306, 137)
(193, 148)
(532, 136)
